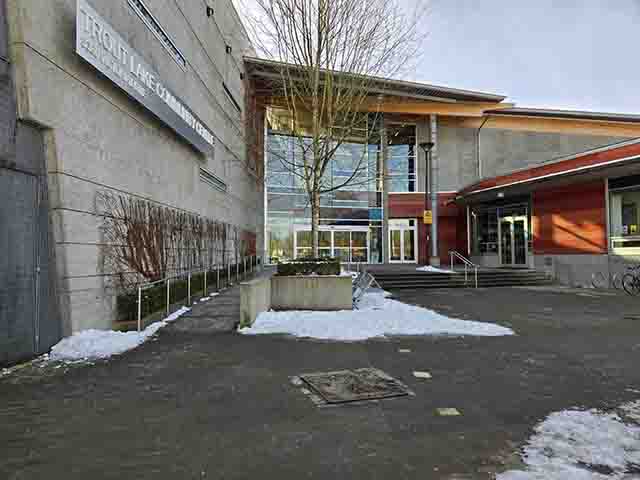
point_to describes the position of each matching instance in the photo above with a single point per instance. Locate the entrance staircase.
(403, 276)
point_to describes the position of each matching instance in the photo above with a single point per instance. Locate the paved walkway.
(203, 402)
(220, 314)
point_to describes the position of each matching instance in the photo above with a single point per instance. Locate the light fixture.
(426, 146)
(209, 11)
(229, 49)
(500, 194)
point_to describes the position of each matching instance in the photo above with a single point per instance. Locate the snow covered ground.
(430, 269)
(377, 316)
(95, 344)
(584, 445)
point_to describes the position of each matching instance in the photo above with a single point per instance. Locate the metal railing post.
(237, 271)
(168, 295)
(189, 289)
(205, 283)
(245, 267)
(476, 277)
(228, 273)
(466, 267)
(139, 308)
(451, 255)
(217, 278)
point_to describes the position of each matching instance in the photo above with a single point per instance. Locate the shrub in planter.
(310, 266)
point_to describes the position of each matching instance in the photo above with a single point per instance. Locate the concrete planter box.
(255, 298)
(321, 292)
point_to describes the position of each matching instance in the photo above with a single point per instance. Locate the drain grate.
(347, 386)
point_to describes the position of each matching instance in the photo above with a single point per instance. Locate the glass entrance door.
(513, 240)
(403, 245)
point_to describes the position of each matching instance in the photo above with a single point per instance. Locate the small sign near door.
(427, 217)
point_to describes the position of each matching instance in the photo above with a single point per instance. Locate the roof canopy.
(272, 71)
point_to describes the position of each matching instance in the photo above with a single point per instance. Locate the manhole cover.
(354, 385)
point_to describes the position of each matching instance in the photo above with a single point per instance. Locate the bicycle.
(600, 280)
(631, 280)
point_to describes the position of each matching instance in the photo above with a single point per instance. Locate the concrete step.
(486, 278)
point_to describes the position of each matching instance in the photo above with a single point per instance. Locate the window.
(401, 148)
(143, 12)
(624, 206)
(347, 245)
(213, 181)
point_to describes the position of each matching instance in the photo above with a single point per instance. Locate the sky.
(567, 54)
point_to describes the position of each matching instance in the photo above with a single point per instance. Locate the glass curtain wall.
(350, 214)
(401, 140)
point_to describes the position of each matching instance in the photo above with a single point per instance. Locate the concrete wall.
(572, 270)
(457, 157)
(98, 139)
(578, 270)
(311, 293)
(471, 149)
(29, 319)
(255, 298)
(502, 151)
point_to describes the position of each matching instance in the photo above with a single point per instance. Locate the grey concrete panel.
(311, 293)
(502, 151)
(457, 157)
(255, 298)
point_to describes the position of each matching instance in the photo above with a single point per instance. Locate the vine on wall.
(144, 241)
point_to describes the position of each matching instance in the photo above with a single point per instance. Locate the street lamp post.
(427, 147)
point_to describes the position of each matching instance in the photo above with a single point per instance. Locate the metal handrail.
(255, 265)
(467, 263)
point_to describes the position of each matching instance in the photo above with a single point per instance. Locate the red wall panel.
(411, 205)
(570, 220)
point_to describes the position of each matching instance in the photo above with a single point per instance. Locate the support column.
(433, 180)
(385, 191)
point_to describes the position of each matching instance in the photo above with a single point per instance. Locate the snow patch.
(349, 273)
(377, 316)
(430, 269)
(581, 445)
(95, 344)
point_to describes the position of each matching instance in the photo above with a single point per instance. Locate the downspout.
(479, 172)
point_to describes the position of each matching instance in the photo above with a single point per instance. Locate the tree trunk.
(315, 222)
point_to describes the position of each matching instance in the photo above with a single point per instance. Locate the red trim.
(587, 160)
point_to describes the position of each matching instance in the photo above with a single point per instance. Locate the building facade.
(163, 102)
(135, 98)
(477, 138)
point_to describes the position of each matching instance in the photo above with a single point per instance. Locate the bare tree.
(330, 59)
